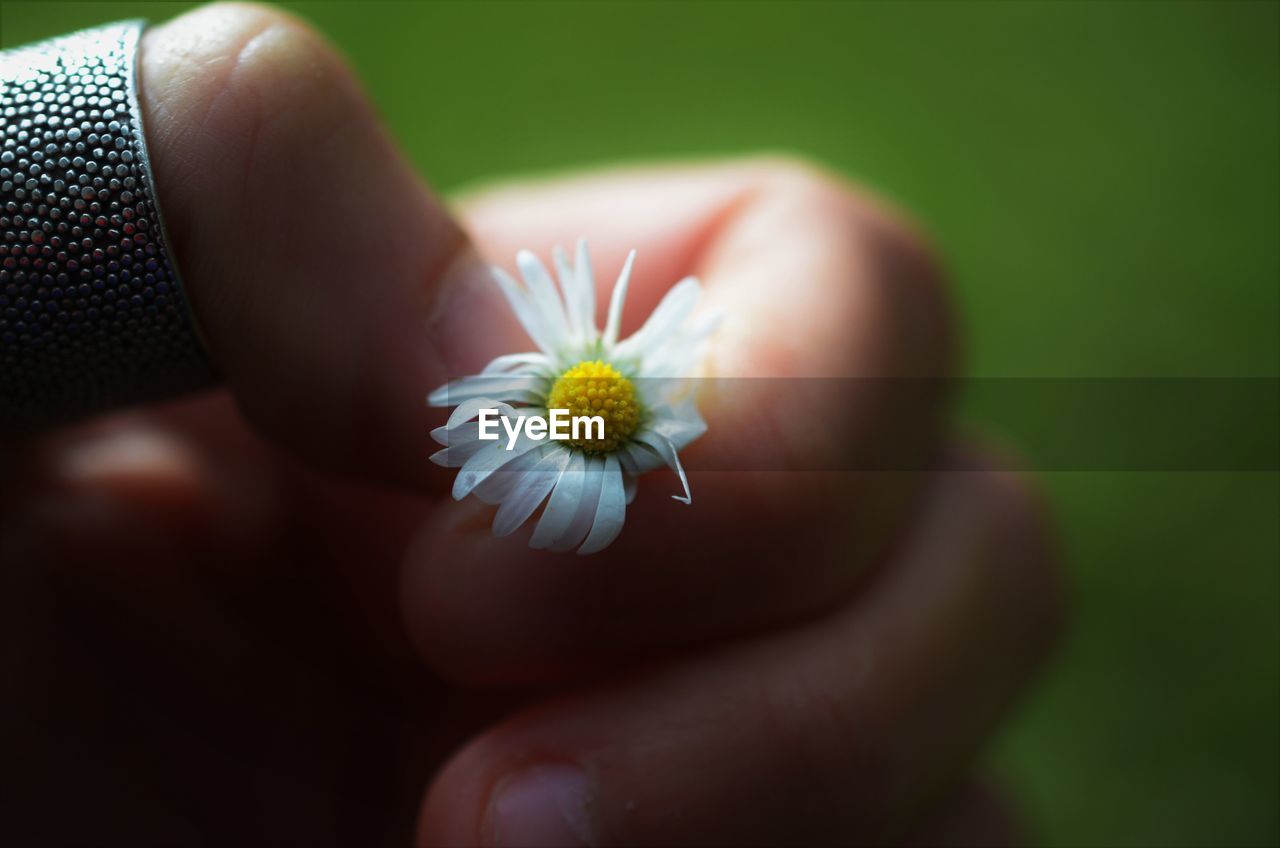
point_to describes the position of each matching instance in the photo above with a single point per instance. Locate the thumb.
(317, 263)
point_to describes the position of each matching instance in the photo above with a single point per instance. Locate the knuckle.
(902, 290)
(851, 204)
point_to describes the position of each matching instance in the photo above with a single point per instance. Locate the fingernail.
(540, 807)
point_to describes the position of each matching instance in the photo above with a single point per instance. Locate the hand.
(257, 615)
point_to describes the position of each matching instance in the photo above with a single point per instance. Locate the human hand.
(273, 624)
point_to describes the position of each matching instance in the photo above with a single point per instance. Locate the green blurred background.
(1102, 179)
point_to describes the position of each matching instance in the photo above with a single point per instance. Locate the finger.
(237, 609)
(178, 508)
(815, 283)
(840, 732)
(315, 258)
(759, 232)
(135, 488)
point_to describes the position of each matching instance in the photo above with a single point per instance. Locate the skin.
(258, 612)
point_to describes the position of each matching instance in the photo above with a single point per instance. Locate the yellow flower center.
(596, 388)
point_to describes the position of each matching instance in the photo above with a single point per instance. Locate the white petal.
(563, 503)
(611, 511)
(586, 291)
(682, 355)
(585, 514)
(528, 313)
(499, 485)
(530, 491)
(457, 455)
(515, 388)
(469, 409)
(543, 294)
(502, 371)
(630, 483)
(707, 324)
(625, 460)
(460, 444)
(616, 300)
(665, 320)
(460, 428)
(638, 458)
(569, 291)
(516, 361)
(487, 460)
(439, 397)
(661, 393)
(668, 452)
(680, 423)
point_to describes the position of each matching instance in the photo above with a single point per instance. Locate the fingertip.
(452, 810)
(455, 805)
(544, 803)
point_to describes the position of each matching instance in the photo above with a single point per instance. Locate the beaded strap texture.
(92, 312)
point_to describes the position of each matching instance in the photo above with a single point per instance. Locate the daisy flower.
(637, 385)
